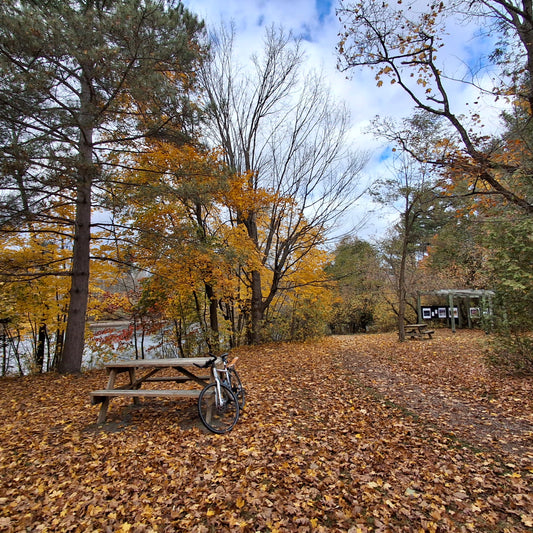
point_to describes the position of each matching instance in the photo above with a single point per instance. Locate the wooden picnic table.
(141, 371)
(418, 331)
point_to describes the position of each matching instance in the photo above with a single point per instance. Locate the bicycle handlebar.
(209, 363)
(213, 358)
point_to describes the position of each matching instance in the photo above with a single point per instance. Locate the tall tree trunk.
(71, 359)
(402, 289)
(256, 311)
(257, 307)
(402, 295)
(39, 350)
(79, 289)
(58, 351)
(179, 336)
(213, 314)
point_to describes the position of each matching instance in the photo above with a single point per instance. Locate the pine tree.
(78, 79)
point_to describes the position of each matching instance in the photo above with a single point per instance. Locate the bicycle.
(233, 381)
(220, 402)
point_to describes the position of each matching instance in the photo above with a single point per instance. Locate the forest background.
(149, 178)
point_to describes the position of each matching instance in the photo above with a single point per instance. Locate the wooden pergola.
(483, 296)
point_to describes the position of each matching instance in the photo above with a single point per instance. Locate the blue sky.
(302, 17)
(323, 9)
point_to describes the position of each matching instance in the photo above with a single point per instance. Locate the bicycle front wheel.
(218, 412)
(236, 387)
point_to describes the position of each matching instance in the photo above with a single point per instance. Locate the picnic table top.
(159, 363)
(416, 325)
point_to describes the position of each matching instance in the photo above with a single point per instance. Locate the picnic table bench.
(149, 369)
(418, 331)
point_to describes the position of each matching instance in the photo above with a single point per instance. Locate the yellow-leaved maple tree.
(179, 240)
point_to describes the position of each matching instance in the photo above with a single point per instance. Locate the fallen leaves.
(328, 441)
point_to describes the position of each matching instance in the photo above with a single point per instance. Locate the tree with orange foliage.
(170, 227)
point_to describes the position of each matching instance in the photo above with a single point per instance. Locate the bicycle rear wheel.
(236, 387)
(218, 416)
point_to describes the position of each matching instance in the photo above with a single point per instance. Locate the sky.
(315, 21)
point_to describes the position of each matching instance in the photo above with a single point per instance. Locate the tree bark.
(402, 291)
(257, 308)
(71, 359)
(213, 312)
(79, 290)
(39, 350)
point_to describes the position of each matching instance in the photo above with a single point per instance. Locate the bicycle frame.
(215, 371)
(226, 380)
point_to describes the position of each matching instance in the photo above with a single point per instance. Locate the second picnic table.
(418, 331)
(149, 368)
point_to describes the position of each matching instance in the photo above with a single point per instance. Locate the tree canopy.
(80, 79)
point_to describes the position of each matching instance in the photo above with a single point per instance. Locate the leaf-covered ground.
(349, 434)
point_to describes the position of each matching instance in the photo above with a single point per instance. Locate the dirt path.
(461, 397)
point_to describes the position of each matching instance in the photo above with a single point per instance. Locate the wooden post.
(491, 316)
(452, 317)
(131, 372)
(102, 414)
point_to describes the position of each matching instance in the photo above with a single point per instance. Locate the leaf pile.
(328, 441)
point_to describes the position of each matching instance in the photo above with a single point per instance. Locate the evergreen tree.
(79, 79)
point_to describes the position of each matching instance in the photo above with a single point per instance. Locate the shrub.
(511, 352)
